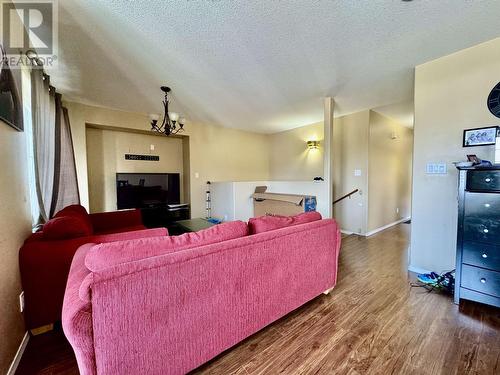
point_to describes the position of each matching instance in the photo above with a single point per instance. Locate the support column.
(328, 151)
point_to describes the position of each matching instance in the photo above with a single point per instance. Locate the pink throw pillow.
(267, 223)
(64, 227)
(111, 254)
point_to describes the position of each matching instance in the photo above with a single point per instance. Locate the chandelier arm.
(177, 131)
(167, 126)
(166, 121)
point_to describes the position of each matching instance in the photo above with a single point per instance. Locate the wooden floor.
(372, 323)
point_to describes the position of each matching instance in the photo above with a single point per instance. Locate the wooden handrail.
(345, 196)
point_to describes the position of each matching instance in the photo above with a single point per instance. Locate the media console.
(164, 215)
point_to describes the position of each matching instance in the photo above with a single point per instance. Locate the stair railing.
(345, 196)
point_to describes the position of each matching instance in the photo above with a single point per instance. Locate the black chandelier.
(171, 123)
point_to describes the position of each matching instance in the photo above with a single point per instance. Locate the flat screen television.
(147, 190)
(11, 110)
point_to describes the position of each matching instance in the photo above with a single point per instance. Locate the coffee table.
(194, 225)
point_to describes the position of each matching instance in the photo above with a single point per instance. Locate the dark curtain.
(55, 172)
(65, 191)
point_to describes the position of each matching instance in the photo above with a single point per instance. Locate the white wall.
(233, 200)
(390, 169)
(450, 96)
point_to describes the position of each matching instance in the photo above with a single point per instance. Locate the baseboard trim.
(417, 269)
(372, 232)
(347, 232)
(17, 358)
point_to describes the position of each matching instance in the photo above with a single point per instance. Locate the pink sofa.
(164, 306)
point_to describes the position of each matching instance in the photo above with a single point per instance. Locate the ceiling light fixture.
(170, 119)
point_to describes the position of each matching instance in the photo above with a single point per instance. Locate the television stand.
(163, 215)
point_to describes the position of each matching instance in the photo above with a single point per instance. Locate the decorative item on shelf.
(463, 164)
(172, 123)
(474, 159)
(312, 145)
(477, 162)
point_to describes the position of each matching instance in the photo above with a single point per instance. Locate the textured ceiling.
(260, 65)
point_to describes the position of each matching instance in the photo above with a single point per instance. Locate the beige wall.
(390, 165)
(216, 153)
(290, 160)
(106, 151)
(15, 221)
(361, 141)
(450, 96)
(289, 157)
(352, 133)
(222, 154)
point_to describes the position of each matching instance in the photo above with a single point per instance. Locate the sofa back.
(171, 313)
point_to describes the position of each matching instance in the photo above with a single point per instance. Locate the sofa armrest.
(126, 236)
(44, 270)
(108, 221)
(77, 314)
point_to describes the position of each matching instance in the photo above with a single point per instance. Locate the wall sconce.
(311, 145)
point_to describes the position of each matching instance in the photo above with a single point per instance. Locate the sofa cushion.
(111, 254)
(79, 211)
(272, 222)
(65, 227)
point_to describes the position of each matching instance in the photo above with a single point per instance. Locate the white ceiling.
(260, 65)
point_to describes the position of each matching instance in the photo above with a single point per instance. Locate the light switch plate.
(436, 168)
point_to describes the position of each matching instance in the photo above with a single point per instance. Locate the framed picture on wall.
(480, 136)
